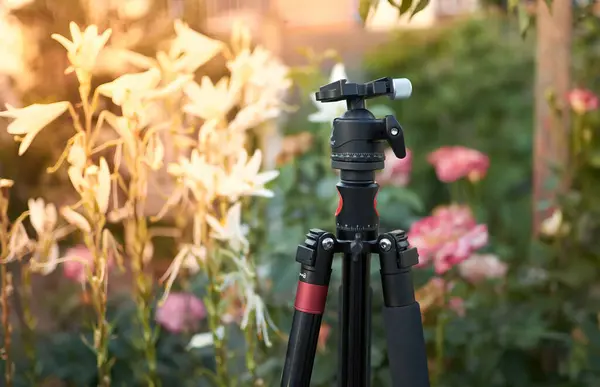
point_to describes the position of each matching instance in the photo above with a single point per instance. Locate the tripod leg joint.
(395, 252)
(315, 257)
(396, 258)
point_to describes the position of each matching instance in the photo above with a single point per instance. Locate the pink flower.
(452, 163)
(447, 237)
(582, 100)
(478, 267)
(77, 259)
(180, 312)
(397, 171)
(457, 304)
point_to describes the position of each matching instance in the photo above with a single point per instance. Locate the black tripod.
(357, 150)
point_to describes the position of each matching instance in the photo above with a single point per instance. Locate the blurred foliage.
(473, 86)
(65, 356)
(573, 265)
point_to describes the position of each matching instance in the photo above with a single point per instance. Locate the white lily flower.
(196, 175)
(201, 340)
(210, 101)
(19, 242)
(327, 112)
(254, 303)
(30, 120)
(230, 230)
(76, 219)
(197, 49)
(83, 50)
(43, 218)
(245, 178)
(95, 179)
(186, 258)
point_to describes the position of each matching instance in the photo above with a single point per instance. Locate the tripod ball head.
(358, 137)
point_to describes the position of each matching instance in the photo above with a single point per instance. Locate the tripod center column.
(357, 207)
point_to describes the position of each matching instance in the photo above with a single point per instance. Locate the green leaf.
(421, 5)
(403, 7)
(365, 7)
(287, 177)
(524, 20)
(394, 196)
(377, 356)
(513, 4)
(594, 159)
(326, 188)
(576, 273)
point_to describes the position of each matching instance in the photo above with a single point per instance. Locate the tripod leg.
(401, 313)
(316, 256)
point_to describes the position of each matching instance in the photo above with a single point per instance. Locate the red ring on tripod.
(340, 204)
(310, 298)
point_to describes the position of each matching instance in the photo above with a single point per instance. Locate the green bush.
(472, 86)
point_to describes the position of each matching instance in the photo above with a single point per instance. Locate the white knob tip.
(402, 88)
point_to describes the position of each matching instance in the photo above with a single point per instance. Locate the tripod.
(357, 150)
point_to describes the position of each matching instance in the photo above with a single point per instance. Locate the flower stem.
(28, 332)
(250, 350)
(6, 288)
(455, 192)
(440, 332)
(99, 285)
(5, 279)
(139, 239)
(99, 278)
(143, 294)
(214, 321)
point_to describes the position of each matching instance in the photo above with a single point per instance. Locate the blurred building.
(286, 25)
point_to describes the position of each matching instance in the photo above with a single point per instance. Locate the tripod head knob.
(357, 137)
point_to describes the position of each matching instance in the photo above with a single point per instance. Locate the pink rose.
(582, 100)
(180, 312)
(448, 237)
(397, 171)
(77, 260)
(479, 267)
(453, 163)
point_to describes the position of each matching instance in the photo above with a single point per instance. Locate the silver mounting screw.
(394, 131)
(327, 243)
(385, 244)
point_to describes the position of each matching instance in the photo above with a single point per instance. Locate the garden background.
(157, 177)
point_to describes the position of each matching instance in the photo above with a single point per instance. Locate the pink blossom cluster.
(180, 312)
(453, 163)
(582, 100)
(447, 237)
(479, 267)
(77, 259)
(397, 171)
